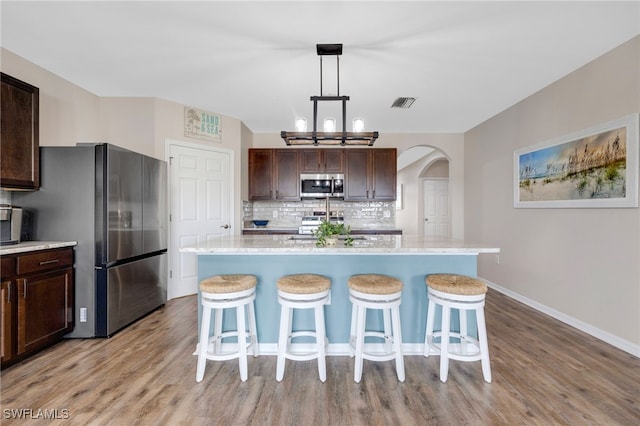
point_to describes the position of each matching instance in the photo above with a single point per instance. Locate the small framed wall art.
(202, 125)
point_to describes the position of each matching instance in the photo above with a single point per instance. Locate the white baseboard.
(609, 338)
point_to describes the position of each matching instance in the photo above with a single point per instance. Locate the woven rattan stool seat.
(303, 283)
(375, 284)
(228, 283)
(456, 284)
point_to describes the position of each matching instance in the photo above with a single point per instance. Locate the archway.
(414, 166)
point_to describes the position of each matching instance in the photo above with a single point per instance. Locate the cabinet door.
(260, 174)
(333, 160)
(287, 174)
(383, 174)
(311, 161)
(45, 308)
(321, 161)
(19, 140)
(7, 321)
(356, 187)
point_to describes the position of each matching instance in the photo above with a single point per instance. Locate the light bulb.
(329, 125)
(301, 124)
(358, 125)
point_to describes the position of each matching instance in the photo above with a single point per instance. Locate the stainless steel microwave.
(321, 185)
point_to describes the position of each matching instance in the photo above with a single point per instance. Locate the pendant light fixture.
(330, 134)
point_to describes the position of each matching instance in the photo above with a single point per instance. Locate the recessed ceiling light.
(403, 102)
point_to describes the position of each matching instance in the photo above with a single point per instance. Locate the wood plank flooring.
(544, 373)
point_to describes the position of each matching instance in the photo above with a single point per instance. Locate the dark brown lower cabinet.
(37, 302)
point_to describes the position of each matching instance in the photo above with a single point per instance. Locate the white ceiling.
(256, 61)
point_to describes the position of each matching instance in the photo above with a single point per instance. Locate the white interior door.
(436, 208)
(201, 203)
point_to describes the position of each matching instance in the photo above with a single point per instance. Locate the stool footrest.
(312, 353)
(468, 349)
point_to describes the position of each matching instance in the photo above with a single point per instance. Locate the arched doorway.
(416, 166)
(436, 205)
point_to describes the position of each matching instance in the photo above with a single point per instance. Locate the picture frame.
(592, 168)
(202, 124)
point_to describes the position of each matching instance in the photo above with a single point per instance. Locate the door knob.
(225, 226)
(426, 219)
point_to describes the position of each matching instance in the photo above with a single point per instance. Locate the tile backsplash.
(368, 214)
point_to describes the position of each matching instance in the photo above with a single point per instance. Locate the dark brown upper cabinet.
(370, 174)
(19, 137)
(274, 174)
(322, 161)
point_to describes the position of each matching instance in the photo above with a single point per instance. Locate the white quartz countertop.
(28, 246)
(370, 244)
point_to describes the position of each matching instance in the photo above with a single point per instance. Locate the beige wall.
(581, 263)
(68, 113)
(144, 124)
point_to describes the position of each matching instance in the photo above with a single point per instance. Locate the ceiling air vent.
(403, 102)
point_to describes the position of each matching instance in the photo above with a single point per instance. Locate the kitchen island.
(408, 258)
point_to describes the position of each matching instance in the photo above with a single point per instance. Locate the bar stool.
(218, 293)
(374, 291)
(452, 291)
(302, 291)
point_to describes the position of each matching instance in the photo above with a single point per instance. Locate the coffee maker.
(10, 224)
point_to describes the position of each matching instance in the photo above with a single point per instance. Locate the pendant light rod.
(336, 137)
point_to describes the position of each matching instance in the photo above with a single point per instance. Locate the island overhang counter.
(269, 257)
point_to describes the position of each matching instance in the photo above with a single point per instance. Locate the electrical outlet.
(83, 314)
(275, 214)
(497, 259)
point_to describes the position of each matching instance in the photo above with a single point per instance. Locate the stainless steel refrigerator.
(113, 202)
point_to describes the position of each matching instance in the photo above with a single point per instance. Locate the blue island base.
(411, 269)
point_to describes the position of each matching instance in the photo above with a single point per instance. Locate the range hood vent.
(403, 102)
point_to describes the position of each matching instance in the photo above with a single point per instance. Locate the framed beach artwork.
(592, 168)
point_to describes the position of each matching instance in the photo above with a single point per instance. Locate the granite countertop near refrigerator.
(28, 246)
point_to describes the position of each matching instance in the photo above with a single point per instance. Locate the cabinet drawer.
(7, 267)
(44, 261)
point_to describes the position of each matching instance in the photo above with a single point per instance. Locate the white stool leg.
(352, 333)
(320, 340)
(253, 331)
(217, 330)
(463, 331)
(283, 339)
(428, 335)
(388, 333)
(242, 342)
(444, 344)
(360, 330)
(484, 345)
(397, 342)
(204, 342)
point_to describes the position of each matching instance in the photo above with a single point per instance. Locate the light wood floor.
(544, 373)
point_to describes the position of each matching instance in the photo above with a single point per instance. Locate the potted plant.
(328, 233)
